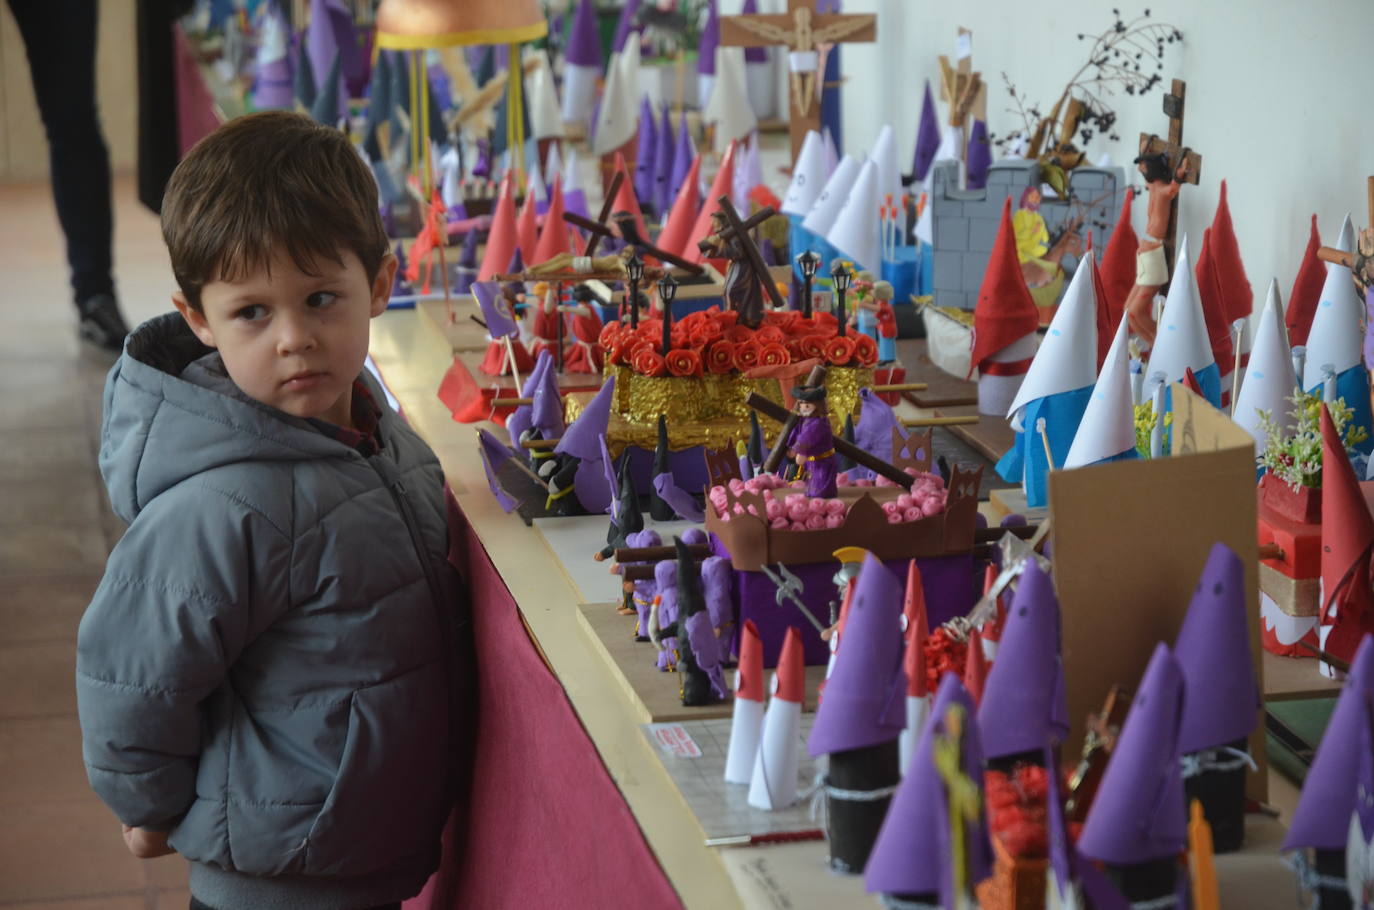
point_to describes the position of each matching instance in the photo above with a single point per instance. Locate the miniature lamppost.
(809, 263)
(667, 290)
(840, 275)
(634, 270)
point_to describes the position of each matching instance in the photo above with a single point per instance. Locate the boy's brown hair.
(263, 182)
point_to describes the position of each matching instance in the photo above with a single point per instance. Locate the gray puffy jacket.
(264, 668)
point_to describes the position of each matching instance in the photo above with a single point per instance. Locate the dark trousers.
(59, 37)
(197, 905)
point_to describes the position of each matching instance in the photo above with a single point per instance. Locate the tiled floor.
(60, 848)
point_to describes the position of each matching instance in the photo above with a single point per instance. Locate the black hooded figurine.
(844, 462)
(698, 652)
(626, 519)
(562, 495)
(658, 509)
(757, 452)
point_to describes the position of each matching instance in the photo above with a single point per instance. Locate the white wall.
(1278, 100)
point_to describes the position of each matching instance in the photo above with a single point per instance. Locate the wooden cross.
(802, 31)
(960, 87)
(598, 229)
(739, 230)
(1174, 152)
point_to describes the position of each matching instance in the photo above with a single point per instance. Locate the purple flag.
(494, 454)
(495, 309)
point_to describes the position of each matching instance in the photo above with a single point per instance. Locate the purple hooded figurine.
(1322, 821)
(582, 440)
(873, 432)
(663, 166)
(1138, 824)
(716, 581)
(911, 857)
(645, 148)
(1223, 702)
(698, 664)
(663, 614)
(812, 444)
(706, 53)
(862, 711)
(683, 156)
(644, 590)
(979, 156)
(1024, 702)
(546, 420)
(927, 140)
(522, 417)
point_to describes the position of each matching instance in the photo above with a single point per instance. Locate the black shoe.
(101, 323)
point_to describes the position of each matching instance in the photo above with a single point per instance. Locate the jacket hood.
(171, 412)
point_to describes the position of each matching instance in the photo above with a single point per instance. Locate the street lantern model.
(809, 263)
(840, 276)
(667, 290)
(634, 270)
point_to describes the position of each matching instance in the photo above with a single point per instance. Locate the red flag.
(1307, 290)
(1006, 312)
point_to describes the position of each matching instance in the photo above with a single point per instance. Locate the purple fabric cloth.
(812, 437)
(1139, 813)
(584, 44)
(1018, 712)
(927, 137)
(911, 854)
(873, 433)
(1213, 649)
(1322, 819)
(272, 88)
(865, 697)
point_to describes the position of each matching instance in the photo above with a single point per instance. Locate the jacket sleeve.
(181, 597)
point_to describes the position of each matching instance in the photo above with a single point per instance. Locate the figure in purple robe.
(812, 444)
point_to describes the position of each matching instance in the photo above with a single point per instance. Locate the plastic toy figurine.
(585, 355)
(1151, 269)
(883, 320)
(743, 290)
(812, 444)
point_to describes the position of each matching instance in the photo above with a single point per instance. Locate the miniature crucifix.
(1178, 157)
(960, 87)
(730, 238)
(802, 30)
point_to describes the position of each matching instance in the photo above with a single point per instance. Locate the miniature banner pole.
(1238, 332)
(961, 420)
(774, 459)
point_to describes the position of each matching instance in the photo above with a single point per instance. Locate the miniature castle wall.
(965, 221)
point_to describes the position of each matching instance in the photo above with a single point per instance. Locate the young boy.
(269, 674)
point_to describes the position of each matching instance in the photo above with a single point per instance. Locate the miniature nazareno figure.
(812, 444)
(743, 291)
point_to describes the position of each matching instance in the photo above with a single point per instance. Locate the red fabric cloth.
(545, 330)
(1210, 294)
(721, 186)
(1006, 312)
(1347, 539)
(553, 239)
(527, 229)
(1237, 297)
(586, 355)
(1307, 290)
(1118, 265)
(460, 394)
(503, 236)
(494, 362)
(545, 825)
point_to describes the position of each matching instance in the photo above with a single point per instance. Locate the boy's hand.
(146, 844)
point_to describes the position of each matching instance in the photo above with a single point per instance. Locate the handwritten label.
(674, 740)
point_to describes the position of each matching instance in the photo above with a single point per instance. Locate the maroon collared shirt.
(366, 418)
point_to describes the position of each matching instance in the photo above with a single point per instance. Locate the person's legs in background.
(60, 40)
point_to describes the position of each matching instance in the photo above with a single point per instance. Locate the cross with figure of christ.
(1173, 149)
(803, 31)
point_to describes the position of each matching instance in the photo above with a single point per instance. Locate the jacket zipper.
(396, 486)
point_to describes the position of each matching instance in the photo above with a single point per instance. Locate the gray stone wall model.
(965, 221)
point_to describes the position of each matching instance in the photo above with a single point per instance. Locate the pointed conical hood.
(553, 239)
(698, 650)
(1307, 290)
(616, 120)
(584, 42)
(625, 25)
(979, 155)
(272, 88)
(328, 35)
(864, 698)
(1336, 334)
(1222, 701)
(876, 423)
(545, 111)
(729, 107)
(708, 41)
(855, 232)
(1118, 265)
(911, 853)
(719, 187)
(1237, 298)
(1108, 425)
(684, 159)
(645, 150)
(625, 199)
(917, 631)
(757, 452)
(1269, 379)
(832, 152)
(546, 411)
(325, 110)
(836, 191)
(750, 685)
(1347, 535)
(927, 138)
(662, 165)
(659, 509)
(527, 229)
(1016, 713)
(1006, 312)
(885, 155)
(1067, 358)
(1182, 343)
(808, 177)
(1138, 813)
(581, 438)
(503, 238)
(790, 674)
(627, 512)
(1322, 818)
(1213, 307)
(677, 229)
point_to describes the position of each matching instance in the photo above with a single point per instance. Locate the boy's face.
(290, 340)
